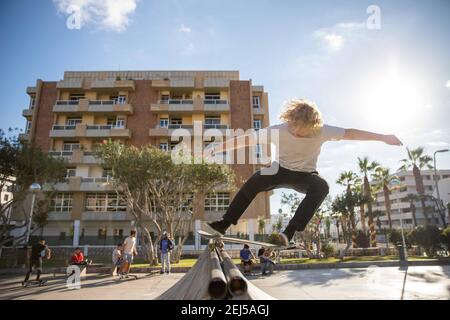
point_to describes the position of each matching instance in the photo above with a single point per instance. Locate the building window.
(217, 201)
(212, 96)
(70, 146)
(72, 121)
(164, 98)
(107, 173)
(164, 146)
(71, 172)
(257, 124)
(105, 202)
(212, 122)
(62, 236)
(258, 150)
(120, 100)
(61, 202)
(176, 121)
(32, 102)
(102, 233)
(76, 96)
(256, 102)
(28, 127)
(163, 123)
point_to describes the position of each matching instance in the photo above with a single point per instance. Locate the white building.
(400, 206)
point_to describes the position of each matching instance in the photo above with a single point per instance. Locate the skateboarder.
(129, 251)
(38, 251)
(301, 136)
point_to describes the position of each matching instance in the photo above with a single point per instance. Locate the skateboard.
(218, 239)
(39, 283)
(127, 277)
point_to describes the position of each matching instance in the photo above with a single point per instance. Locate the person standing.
(166, 245)
(129, 251)
(38, 251)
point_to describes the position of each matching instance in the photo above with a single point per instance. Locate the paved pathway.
(431, 282)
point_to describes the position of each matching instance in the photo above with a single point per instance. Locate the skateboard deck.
(128, 277)
(208, 235)
(39, 283)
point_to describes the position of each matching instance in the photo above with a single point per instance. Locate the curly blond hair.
(302, 114)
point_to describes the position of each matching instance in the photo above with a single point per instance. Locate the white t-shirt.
(128, 245)
(301, 154)
(116, 255)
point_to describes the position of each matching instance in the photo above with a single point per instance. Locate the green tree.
(418, 160)
(366, 167)
(412, 199)
(261, 225)
(20, 166)
(428, 237)
(383, 179)
(161, 191)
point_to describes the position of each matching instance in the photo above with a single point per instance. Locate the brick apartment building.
(67, 117)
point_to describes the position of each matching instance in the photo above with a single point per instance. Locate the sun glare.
(393, 99)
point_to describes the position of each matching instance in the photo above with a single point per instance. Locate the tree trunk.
(362, 213)
(421, 191)
(413, 212)
(387, 204)
(147, 245)
(353, 226)
(372, 230)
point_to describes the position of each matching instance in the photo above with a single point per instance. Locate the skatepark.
(373, 283)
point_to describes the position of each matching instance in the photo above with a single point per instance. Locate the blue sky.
(393, 80)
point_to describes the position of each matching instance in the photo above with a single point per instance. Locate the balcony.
(173, 105)
(92, 106)
(31, 90)
(169, 130)
(181, 82)
(108, 84)
(27, 113)
(89, 131)
(103, 216)
(190, 105)
(258, 111)
(96, 184)
(59, 216)
(76, 84)
(76, 156)
(24, 136)
(99, 131)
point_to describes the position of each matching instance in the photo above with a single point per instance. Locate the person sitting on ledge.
(246, 259)
(78, 258)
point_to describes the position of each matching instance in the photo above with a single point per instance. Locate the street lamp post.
(436, 179)
(34, 188)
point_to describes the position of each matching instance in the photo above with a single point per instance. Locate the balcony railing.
(103, 127)
(96, 180)
(67, 102)
(176, 101)
(63, 127)
(215, 126)
(107, 102)
(215, 101)
(179, 126)
(60, 154)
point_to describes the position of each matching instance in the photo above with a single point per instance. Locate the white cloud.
(334, 38)
(184, 29)
(106, 14)
(447, 84)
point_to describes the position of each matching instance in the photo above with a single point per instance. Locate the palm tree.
(383, 178)
(417, 160)
(412, 199)
(349, 179)
(362, 213)
(366, 167)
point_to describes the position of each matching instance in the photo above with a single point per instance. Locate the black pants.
(37, 264)
(312, 185)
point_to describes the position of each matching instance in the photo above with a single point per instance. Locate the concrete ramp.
(214, 277)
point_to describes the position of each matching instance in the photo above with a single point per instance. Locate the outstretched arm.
(355, 134)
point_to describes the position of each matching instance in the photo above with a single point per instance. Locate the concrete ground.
(419, 282)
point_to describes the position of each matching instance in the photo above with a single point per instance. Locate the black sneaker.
(218, 227)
